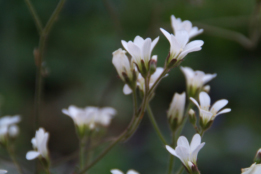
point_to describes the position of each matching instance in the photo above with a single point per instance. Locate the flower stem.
(171, 158)
(81, 152)
(155, 125)
(180, 171)
(12, 155)
(35, 16)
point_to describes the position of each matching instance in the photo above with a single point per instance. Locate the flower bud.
(176, 110)
(206, 88)
(192, 116)
(258, 156)
(153, 64)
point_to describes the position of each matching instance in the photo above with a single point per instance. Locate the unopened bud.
(153, 64)
(206, 88)
(258, 156)
(143, 70)
(192, 116)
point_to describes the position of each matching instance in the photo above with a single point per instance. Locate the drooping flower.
(40, 145)
(208, 114)
(117, 171)
(253, 169)
(90, 116)
(140, 49)
(187, 153)
(8, 127)
(177, 24)
(124, 66)
(196, 80)
(176, 110)
(179, 46)
(141, 81)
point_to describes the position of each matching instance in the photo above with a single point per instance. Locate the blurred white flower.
(117, 171)
(187, 153)
(8, 126)
(140, 49)
(122, 64)
(177, 24)
(39, 143)
(196, 79)
(206, 113)
(90, 116)
(3, 171)
(141, 81)
(253, 169)
(179, 46)
(176, 109)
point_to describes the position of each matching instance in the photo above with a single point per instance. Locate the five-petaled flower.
(187, 153)
(140, 50)
(207, 114)
(90, 116)
(177, 24)
(40, 145)
(253, 169)
(176, 110)
(117, 171)
(179, 46)
(196, 80)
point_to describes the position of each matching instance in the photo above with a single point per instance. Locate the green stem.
(12, 155)
(155, 125)
(35, 16)
(171, 158)
(134, 95)
(81, 152)
(180, 171)
(157, 81)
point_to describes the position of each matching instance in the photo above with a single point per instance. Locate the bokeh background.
(78, 60)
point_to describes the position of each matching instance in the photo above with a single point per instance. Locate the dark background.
(78, 58)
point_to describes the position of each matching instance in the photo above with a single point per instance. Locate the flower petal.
(132, 172)
(195, 142)
(32, 155)
(224, 111)
(146, 50)
(204, 100)
(183, 141)
(195, 102)
(182, 37)
(171, 150)
(154, 42)
(139, 41)
(218, 105)
(116, 171)
(127, 90)
(194, 153)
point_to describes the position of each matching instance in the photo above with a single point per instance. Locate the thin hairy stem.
(181, 169)
(37, 20)
(155, 125)
(171, 157)
(12, 155)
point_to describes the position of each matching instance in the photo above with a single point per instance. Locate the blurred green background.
(78, 58)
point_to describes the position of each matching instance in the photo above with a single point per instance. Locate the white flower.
(8, 126)
(140, 49)
(177, 106)
(141, 81)
(117, 171)
(90, 116)
(253, 169)
(177, 24)
(3, 171)
(122, 64)
(187, 153)
(40, 145)
(206, 113)
(196, 79)
(179, 46)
